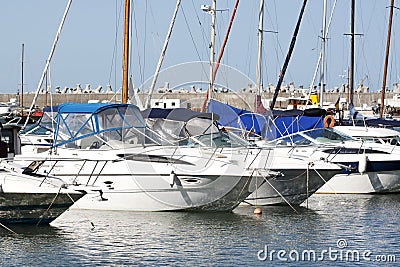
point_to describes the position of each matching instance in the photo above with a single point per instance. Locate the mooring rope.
(91, 223)
(278, 192)
(8, 229)
(326, 182)
(51, 204)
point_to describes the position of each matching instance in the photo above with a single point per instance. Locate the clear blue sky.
(93, 30)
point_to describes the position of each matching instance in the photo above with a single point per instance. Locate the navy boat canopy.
(176, 114)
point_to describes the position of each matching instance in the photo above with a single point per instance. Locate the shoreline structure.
(238, 99)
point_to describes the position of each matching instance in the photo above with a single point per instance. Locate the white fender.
(362, 163)
(172, 177)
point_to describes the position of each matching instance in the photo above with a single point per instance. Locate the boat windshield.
(327, 135)
(220, 139)
(290, 140)
(194, 132)
(392, 140)
(323, 135)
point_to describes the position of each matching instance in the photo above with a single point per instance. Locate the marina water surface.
(334, 230)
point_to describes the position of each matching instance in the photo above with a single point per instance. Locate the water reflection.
(230, 239)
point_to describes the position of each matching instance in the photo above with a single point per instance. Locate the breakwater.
(242, 100)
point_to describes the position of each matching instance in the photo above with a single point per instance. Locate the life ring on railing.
(329, 121)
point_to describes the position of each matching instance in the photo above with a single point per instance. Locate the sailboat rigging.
(53, 48)
(322, 71)
(213, 70)
(22, 81)
(351, 71)
(386, 58)
(289, 54)
(258, 106)
(164, 49)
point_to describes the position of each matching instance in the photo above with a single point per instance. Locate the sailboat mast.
(53, 48)
(164, 49)
(351, 71)
(289, 54)
(22, 80)
(386, 58)
(125, 56)
(323, 45)
(212, 47)
(208, 96)
(221, 51)
(260, 44)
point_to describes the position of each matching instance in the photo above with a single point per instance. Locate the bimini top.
(75, 121)
(86, 108)
(176, 114)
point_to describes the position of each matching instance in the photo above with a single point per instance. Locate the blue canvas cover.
(76, 121)
(288, 124)
(237, 118)
(269, 127)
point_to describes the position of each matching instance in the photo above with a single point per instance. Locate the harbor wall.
(242, 100)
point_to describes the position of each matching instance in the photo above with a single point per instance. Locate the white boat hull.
(291, 189)
(159, 179)
(29, 200)
(368, 183)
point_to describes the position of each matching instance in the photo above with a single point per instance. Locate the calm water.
(340, 224)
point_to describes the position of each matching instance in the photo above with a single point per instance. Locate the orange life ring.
(329, 121)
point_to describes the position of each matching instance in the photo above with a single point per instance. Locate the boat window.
(395, 141)
(197, 126)
(344, 150)
(291, 140)
(327, 136)
(165, 132)
(220, 139)
(371, 140)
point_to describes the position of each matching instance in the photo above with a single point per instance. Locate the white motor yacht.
(369, 167)
(108, 150)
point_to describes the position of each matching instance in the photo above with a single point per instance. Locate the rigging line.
(190, 33)
(324, 37)
(246, 184)
(53, 48)
(277, 41)
(73, 201)
(224, 43)
(288, 56)
(51, 204)
(113, 58)
(277, 191)
(326, 182)
(249, 55)
(163, 51)
(201, 26)
(219, 27)
(8, 229)
(145, 39)
(194, 43)
(137, 44)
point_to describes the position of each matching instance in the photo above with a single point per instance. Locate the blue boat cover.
(75, 121)
(86, 108)
(279, 124)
